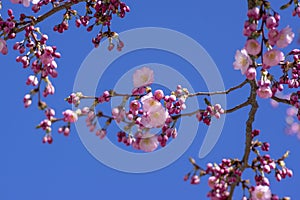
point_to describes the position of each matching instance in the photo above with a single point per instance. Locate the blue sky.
(66, 170)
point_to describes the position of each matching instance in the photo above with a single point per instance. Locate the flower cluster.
(43, 67)
(40, 58)
(211, 111)
(146, 110)
(98, 13)
(229, 173)
(272, 38)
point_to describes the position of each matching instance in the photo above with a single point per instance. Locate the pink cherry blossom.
(3, 47)
(49, 113)
(148, 142)
(155, 117)
(254, 13)
(296, 11)
(134, 107)
(32, 80)
(251, 73)
(27, 100)
(271, 22)
(143, 77)
(261, 192)
(159, 95)
(242, 61)
(70, 116)
(101, 133)
(272, 58)
(118, 114)
(273, 36)
(49, 89)
(285, 37)
(149, 102)
(47, 57)
(195, 180)
(26, 3)
(212, 181)
(264, 92)
(253, 47)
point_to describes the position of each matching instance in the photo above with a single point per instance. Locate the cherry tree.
(266, 47)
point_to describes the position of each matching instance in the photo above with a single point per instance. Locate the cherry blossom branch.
(246, 103)
(41, 18)
(249, 129)
(249, 122)
(220, 92)
(231, 110)
(116, 94)
(281, 100)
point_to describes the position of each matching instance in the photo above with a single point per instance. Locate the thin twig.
(246, 103)
(219, 92)
(231, 110)
(280, 100)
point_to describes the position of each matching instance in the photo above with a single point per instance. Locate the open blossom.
(253, 47)
(264, 92)
(3, 47)
(149, 102)
(285, 37)
(148, 142)
(272, 58)
(273, 36)
(70, 116)
(143, 77)
(155, 117)
(242, 61)
(261, 193)
(26, 3)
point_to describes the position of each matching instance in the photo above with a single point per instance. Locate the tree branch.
(219, 92)
(251, 117)
(246, 103)
(280, 100)
(249, 129)
(47, 14)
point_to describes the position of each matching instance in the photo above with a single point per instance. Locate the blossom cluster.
(229, 173)
(143, 110)
(146, 110)
(273, 39)
(40, 58)
(264, 44)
